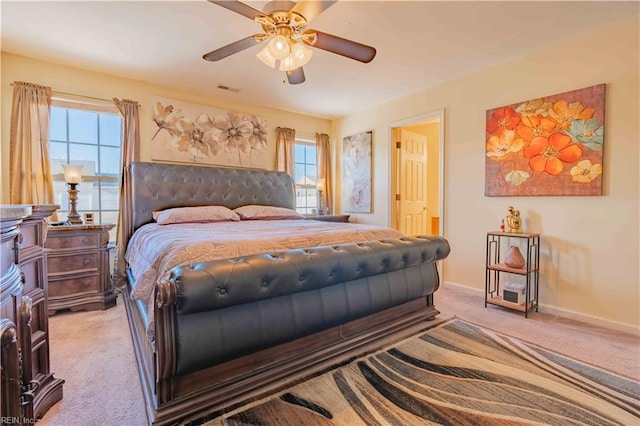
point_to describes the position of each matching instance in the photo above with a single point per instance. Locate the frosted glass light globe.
(279, 47)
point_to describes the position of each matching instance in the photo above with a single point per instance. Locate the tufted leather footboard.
(233, 307)
(228, 329)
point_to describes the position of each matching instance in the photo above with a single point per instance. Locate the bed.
(224, 310)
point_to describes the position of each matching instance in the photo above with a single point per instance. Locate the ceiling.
(420, 44)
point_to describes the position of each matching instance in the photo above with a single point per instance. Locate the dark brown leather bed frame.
(176, 399)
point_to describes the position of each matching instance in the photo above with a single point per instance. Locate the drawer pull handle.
(86, 261)
(86, 284)
(85, 240)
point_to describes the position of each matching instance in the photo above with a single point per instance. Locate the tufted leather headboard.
(158, 186)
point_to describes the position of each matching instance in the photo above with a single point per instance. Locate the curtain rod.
(109, 101)
(56, 92)
(306, 135)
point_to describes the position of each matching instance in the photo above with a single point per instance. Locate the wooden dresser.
(79, 277)
(24, 304)
(11, 313)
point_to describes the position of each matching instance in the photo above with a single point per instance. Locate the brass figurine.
(514, 223)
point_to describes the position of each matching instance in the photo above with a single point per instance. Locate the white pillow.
(257, 212)
(201, 214)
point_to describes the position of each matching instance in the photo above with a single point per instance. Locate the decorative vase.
(514, 258)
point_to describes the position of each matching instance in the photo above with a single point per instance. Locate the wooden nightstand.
(330, 217)
(78, 263)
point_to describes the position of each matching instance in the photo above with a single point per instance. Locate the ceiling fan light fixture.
(284, 30)
(266, 57)
(279, 47)
(299, 56)
(301, 53)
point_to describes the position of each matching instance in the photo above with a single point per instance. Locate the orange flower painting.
(546, 146)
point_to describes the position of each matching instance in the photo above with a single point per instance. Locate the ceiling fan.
(284, 24)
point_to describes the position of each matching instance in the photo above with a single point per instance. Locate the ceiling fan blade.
(235, 47)
(239, 7)
(341, 46)
(311, 8)
(296, 76)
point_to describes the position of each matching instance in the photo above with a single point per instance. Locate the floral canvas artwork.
(183, 132)
(356, 173)
(547, 146)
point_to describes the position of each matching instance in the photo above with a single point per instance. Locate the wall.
(88, 83)
(590, 245)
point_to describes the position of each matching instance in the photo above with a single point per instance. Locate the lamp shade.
(298, 57)
(320, 182)
(279, 47)
(266, 57)
(72, 173)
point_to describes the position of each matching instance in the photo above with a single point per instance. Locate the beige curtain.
(285, 148)
(30, 169)
(130, 152)
(324, 168)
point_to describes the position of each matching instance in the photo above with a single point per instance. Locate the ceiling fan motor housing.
(278, 6)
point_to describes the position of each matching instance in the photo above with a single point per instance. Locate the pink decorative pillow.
(257, 212)
(200, 214)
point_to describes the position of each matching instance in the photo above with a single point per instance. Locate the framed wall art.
(184, 132)
(356, 172)
(547, 146)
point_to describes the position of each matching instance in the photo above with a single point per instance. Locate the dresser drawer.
(34, 274)
(89, 261)
(74, 286)
(7, 255)
(31, 235)
(73, 242)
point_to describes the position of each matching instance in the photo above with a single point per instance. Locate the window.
(89, 135)
(306, 173)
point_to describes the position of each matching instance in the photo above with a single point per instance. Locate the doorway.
(417, 175)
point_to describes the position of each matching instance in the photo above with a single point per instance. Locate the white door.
(412, 155)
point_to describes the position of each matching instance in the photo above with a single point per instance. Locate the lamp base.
(320, 209)
(73, 217)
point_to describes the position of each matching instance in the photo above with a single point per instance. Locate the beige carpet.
(93, 353)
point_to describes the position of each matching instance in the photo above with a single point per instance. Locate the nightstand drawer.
(73, 286)
(73, 242)
(89, 261)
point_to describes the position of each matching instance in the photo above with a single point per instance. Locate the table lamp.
(72, 178)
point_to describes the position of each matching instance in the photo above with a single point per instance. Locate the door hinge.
(398, 145)
(397, 197)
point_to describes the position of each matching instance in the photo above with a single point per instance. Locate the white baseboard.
(566, 313)
(466, 287)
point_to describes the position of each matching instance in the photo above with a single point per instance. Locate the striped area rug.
(455, 373)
